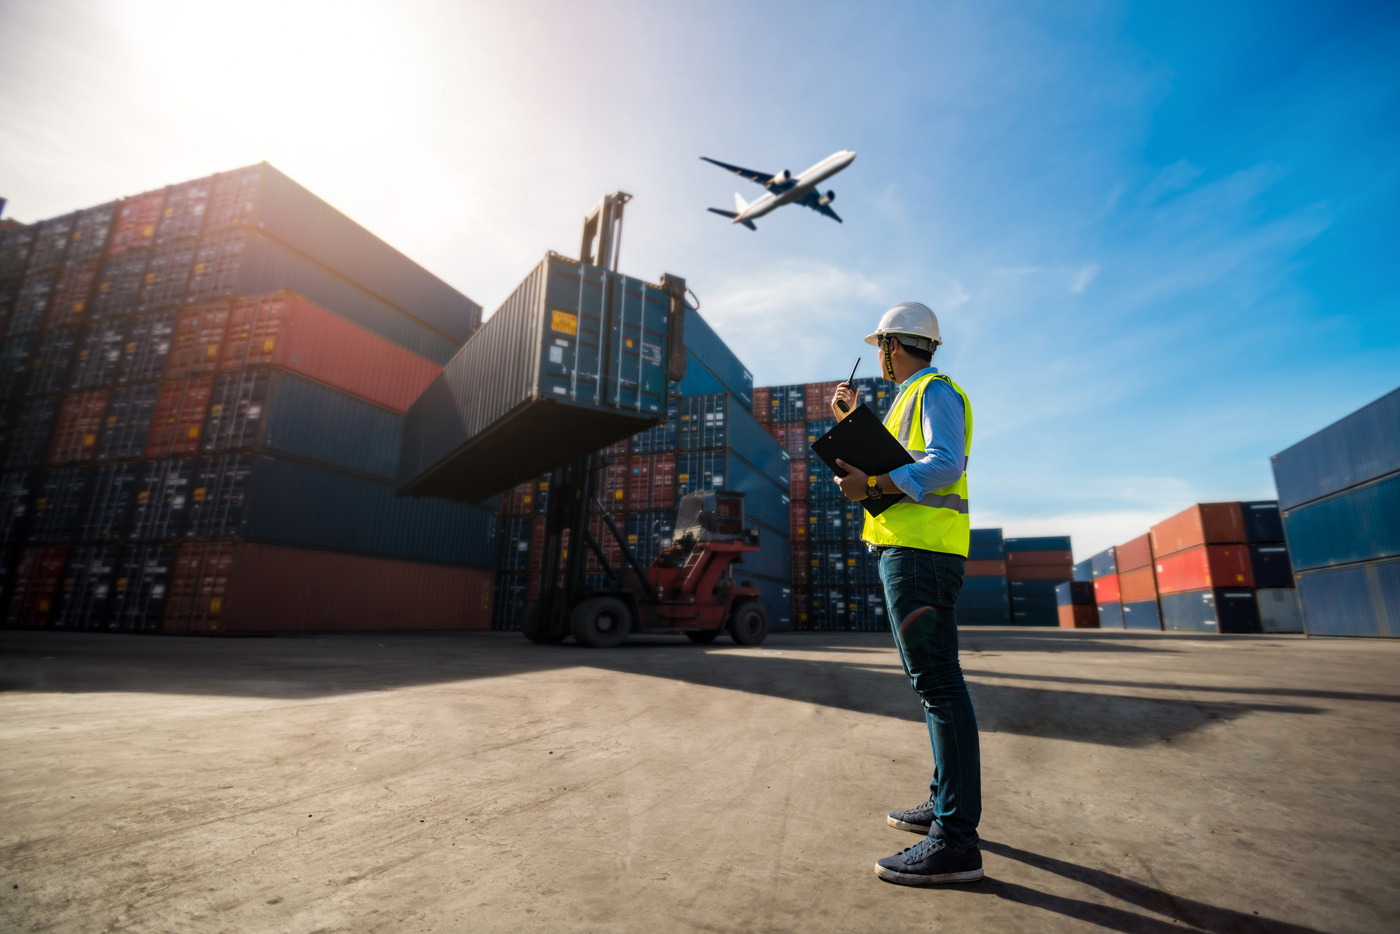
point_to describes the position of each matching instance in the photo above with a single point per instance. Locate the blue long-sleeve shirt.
(945, 433)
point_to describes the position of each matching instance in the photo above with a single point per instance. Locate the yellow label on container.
(564, 322)
(150, 277)
(104, 287)
(89, 440)
(629, 343)
(194, 432)
(198, 495)
(131, 347)
(78, 306)
(211, 351)
(683, 477)
(148, 230)
(216, 604)
(142, 496)
(617, 495)
(198, 267)
(216, 409)
(111, 421)
(268, 344)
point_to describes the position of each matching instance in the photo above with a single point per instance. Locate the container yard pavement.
(1143, 782)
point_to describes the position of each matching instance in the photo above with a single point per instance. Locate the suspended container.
(578, 358)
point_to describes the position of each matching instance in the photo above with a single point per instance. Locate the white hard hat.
(909, 319)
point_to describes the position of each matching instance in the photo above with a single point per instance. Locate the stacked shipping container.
(1340, 494)
(708, 441)
(184, 452)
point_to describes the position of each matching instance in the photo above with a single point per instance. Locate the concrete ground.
(1139, 782)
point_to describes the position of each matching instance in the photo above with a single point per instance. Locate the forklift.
(690, 587)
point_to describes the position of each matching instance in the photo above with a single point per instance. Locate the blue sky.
(1161, 238)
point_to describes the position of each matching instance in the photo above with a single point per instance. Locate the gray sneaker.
(917, 820)
(931, 861)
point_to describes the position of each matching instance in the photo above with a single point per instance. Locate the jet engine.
(830, 197)
(782, 178)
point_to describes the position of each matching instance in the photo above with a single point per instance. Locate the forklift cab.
(711, 516)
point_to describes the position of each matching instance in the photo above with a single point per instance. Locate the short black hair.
(924, 355)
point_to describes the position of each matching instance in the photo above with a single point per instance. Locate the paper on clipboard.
(862, 441)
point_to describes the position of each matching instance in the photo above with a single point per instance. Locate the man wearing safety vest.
(921, 544)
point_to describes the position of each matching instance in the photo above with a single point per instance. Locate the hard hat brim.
(874, 339)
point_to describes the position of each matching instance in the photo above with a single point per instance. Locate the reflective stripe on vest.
(939, 521)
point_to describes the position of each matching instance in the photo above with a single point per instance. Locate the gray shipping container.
(575, 360)
(1279, 610)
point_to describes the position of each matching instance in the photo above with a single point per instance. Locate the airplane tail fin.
(732, 215)
(739, 203)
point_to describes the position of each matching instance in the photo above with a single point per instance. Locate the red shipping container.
(618, 450)
(985, 569)
(801, 565)
(179, 416)
(1079, 616)
(1201, 524)
(287, 330)
(243, 588)
(760, 404)
(198, 340)
(663, 481)
(639, 486)
(536, 558)
(79, 420)
(1138, 585)
(72, 292)
(816, 397)
(1205, 567)
(1106, 589)
(1038, 558)
(519, 500)
(799, 521)
(136, 222)
(35, 588)
(1135, 554)
(1040, 572)
(797, 479)
(612, 486)
(604, 537)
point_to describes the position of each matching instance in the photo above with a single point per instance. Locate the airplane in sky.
(786, 188)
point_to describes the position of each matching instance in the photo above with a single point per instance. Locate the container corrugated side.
(287, 330)
(535, 387)
(245, 262)
(1201, 524)
(1134, 554)
(720, 369)
(1229, 610)
(281, 412)
(1262, 521)
(986, 537)
(244, 588)
(262, 197)
(1111, 616)
(1359, 600)
(1142, 615)
(712, 422)
(1361, 524)
(1205, 567)
(1104, 563)
(284, 502)
(776, 597)
(1042, 543)
(127, 422)
(1360, 447)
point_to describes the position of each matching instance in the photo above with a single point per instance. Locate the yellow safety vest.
(938, 522)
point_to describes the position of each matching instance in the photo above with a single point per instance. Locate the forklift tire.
(750, 624)
(601, 622)
(533, 630)
(703, 636)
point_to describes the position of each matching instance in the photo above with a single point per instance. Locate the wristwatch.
(872, 488)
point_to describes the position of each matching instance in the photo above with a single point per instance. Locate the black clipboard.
(862, 441)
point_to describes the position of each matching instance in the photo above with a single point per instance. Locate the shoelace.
(922, 849)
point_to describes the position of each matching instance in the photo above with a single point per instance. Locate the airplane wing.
(813, 200)
(761, 177)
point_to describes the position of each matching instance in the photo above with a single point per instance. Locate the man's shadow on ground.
(1184, 911)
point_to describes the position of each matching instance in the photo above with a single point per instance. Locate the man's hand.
(854, 484)
(844, 393)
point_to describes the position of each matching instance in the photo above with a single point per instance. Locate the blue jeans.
(921, 588)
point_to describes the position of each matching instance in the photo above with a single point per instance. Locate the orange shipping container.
(1135, 554)
(242, 588)
(179, 416)
(199, 337)
(760, 404)
(1038, 558)
(1106, 589)
(817, 398)
(1201, 524)
(75, 435)
(985, 569)
(1138, 585)
(287, 330)
(1205, 567)
(36, 586)
(1079, 616)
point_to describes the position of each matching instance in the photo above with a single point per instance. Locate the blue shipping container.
(1104, 563)
(1083, 571)
(1043, 543)
(988, 552)
(986, 537)
(1142, 615)
(1262, 521)
(1074, 592)
(984, 584)
(710, 423)
(1361, 600)
(1110, 615)
(1361, 447)
(718, 370)
(983, 617)
(972, 600)
(1362, 524)
(1222, 610)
